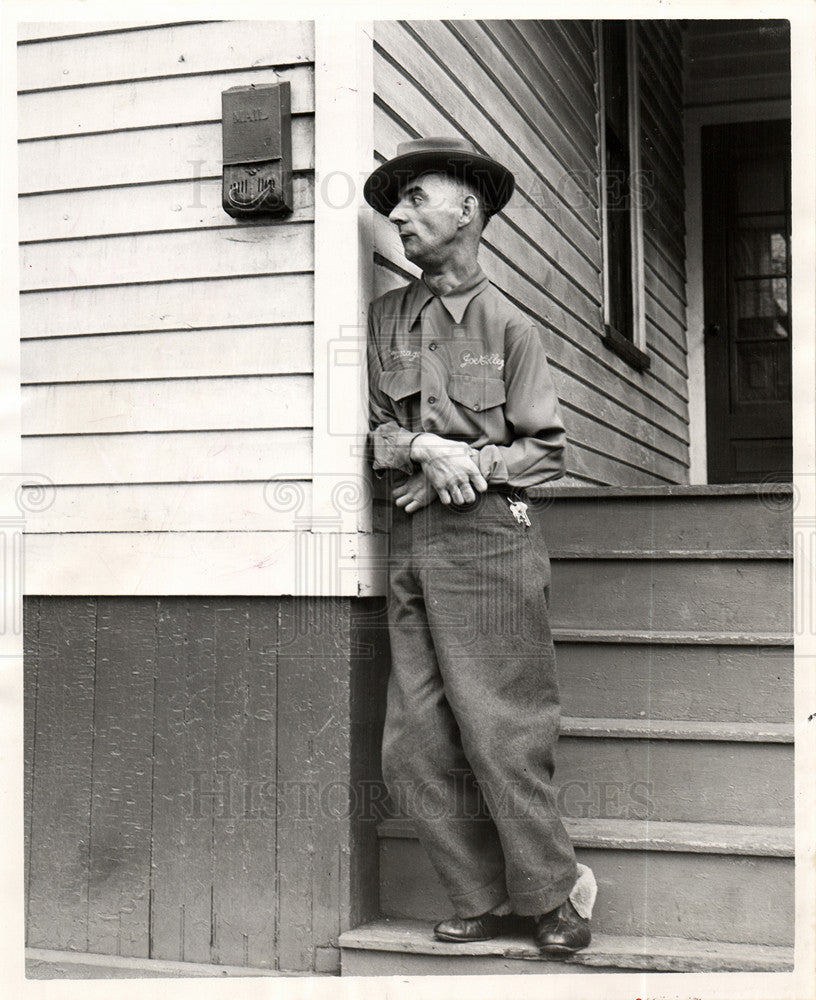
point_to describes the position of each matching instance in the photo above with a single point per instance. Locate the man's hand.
(415, 493)
(449, 468)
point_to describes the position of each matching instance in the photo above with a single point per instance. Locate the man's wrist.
(416, 451)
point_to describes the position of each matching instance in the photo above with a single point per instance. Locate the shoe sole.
(451, 939)
(556, 950)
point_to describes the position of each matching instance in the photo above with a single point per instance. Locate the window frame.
(631, 348)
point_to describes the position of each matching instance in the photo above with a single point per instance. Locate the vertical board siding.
(735, 61)
(31, 654)
(119, 865)
(61, 792)
(526, 93)
(141, 300)
(189, 791)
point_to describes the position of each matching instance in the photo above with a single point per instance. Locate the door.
(746, 261)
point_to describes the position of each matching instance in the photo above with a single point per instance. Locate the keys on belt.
(519, 511)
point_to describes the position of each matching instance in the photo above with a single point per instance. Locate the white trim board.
(206, 563)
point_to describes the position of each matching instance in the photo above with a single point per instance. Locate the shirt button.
(476, 406)
(432, 400)
(432, 347)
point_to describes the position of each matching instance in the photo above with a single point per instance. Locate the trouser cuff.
(479, 901)
(533, 902)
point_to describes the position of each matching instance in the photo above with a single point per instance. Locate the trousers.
(472, 713)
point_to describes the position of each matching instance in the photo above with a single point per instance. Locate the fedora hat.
(455, 157)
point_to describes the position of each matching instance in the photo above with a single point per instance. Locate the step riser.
(356, 962)
(679, 595)
(702, 896)
(692, 781)
(665, 523)
(719, 683)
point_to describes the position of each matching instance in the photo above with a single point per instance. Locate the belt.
(503, 489)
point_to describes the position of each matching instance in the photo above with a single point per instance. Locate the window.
(621, 201)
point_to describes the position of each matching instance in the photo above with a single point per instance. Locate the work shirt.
(468, 366)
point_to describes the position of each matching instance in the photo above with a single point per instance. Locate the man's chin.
(415, 255)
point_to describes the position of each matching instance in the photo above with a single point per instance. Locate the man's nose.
(397, 214)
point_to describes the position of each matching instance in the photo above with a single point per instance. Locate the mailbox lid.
(252, 121)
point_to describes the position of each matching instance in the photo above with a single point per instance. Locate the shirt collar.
(455, 301)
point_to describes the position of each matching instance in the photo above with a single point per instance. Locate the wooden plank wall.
(734, 61)
(193, 791)
(526, 92)
(167, 348)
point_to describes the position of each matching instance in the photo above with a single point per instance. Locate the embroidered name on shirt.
(405, 353)
(482, 359)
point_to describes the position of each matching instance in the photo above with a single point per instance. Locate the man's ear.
(470, 209)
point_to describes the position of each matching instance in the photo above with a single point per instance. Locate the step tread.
(563, 491)
(680, 638)
(678, 729)
(635, 835)
(588, 555)
(656, 953)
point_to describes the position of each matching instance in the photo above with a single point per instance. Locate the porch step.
(685, 595)
(390, 947)
(726, 678)
(620, 769)
(655, 879)
(663, 521)
(668, 729)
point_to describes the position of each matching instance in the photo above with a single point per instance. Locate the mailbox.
(257, 141)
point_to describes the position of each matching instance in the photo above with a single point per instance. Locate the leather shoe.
(562, 931)
(461, 930)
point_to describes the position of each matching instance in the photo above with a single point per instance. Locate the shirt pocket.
(399, 383)
(476, 394)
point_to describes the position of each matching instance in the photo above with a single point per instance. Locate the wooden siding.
(167, 350)
(218, 812)
(737, 61)
(526, 93)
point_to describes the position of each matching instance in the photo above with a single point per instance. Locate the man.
(464, 416)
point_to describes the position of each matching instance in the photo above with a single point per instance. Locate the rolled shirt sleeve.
(537, 451)
(390, 443)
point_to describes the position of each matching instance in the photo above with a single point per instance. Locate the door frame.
(694, 120)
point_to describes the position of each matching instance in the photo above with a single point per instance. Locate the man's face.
(427, 217)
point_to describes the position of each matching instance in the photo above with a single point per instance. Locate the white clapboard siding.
(33, 31)
(244, 563)
(168, 507)
(445, 107)
(183, 152)
(664, 218)
(170, 457)
(149, 103)
(169, 306)
(160, 51)
(167, 350)
(262, 350)
(146, 208)
(171, 404)
(563, 121)
(217, 253)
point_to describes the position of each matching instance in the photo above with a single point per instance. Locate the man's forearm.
(391, 445)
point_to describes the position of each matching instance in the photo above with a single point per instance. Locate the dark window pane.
(762, 309)
(760, 246)
(761, 186)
